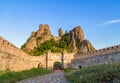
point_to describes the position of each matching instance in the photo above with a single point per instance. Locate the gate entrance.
(57, 65)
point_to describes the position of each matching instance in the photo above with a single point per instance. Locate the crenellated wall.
(102, 56)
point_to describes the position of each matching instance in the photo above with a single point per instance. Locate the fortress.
(15, 59)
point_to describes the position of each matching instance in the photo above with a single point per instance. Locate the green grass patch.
(68, 70)
(13, 77)
(107, 73)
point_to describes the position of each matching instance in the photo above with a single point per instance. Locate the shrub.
(53, 46)
(13, 77)
(96, 74)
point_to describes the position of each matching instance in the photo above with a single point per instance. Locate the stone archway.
(57, 65)
(52, 60)
(49, 58)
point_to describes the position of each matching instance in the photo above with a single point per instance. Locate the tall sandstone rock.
(85, 46)
(78, 34)
(37, 38)
(60, 32)
(78, 41)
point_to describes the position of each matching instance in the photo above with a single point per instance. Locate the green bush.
(68, 70)
(96, 74)
(13, 77)
(53, 45)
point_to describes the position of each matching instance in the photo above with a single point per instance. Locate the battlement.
(104, 51)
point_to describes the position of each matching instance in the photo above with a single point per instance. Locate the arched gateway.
(47, 60)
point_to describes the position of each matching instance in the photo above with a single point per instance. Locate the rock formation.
(37, 38)
(60, 32)
(78, 34)
(78, 41)
(85, 46)
(73, 43)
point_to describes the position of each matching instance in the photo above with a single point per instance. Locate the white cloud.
(108, 22)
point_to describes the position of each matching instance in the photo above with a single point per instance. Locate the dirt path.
(56, 77)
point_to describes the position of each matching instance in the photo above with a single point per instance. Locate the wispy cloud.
(108, 22)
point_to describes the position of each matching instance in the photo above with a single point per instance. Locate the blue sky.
(99, 19)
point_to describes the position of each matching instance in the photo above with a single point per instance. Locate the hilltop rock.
(60, 32)
(37, 38)
(73, 43)
(43, 31)
(85, 46)
(43, 34)
(78, 34)
(31, 44)
(78, 42)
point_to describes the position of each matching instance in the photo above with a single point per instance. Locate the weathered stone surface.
(97, 60)
(85, 46)
(38, 37)
(73, 43)
(31, 44)
(14, 59)
(60, 32)
(78, 34)
(16, 63)
(78, 41)
(43, 31)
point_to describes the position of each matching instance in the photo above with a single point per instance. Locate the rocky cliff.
(85, 46)
(40, 36)
(77, 41)
(78, 34)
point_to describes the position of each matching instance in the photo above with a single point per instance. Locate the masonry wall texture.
(53, 57)
(102, 56)
(14, 59)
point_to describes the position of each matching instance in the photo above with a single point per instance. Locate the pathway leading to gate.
(56, 77)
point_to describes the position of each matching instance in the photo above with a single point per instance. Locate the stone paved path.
(56, 77)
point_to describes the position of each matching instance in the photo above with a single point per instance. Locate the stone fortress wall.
(102, 56)
(64, 58)
(14, 59)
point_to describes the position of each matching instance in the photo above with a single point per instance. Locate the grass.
(13, 77)
(107, 73)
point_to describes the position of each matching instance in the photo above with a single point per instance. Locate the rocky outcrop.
(85, 46)
(78, 41)
(78, 34)
(60, 32)
(43, 31)
(73, 43)
(37, 38)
